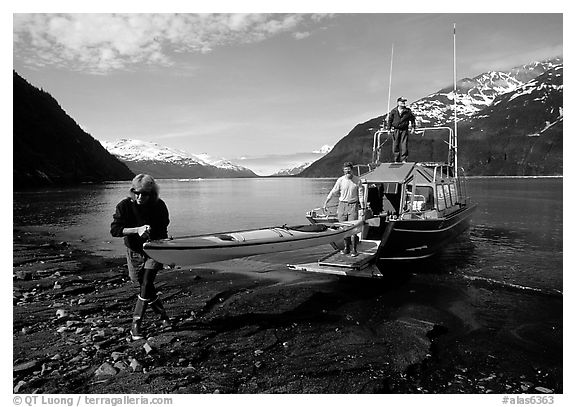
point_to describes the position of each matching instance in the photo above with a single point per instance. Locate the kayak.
(189, 250)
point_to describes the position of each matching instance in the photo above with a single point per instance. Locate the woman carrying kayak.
(140, 217)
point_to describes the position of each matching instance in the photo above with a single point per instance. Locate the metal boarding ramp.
(343, 264)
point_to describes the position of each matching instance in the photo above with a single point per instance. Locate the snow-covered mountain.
(294, 170)
(477, 93)
(510, 123)
(165, 162)
(298, 168)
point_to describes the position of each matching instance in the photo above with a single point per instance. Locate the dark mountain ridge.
(50, 148)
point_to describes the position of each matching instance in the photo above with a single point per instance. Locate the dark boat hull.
(421, 238)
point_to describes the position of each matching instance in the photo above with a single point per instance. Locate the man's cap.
(401, 99)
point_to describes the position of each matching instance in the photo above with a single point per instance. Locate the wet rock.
(45, 369)
(56, 357)
(120, 365)
(117, 355)
(161, 340)
(105, 370)
(147, 348)
(62, 329)
(25, 275)
(23, 367)
(20, 384)
(135, 366)
(61, 313)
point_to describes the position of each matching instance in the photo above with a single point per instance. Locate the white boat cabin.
(405, 191)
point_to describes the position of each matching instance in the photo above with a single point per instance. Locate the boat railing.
(377, 144)
(362, 169)
(462, 186)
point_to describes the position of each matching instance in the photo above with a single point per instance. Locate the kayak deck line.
(208, 248)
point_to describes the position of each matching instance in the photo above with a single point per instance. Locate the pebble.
(147, 348)
(62, 329)
(120, 365)
(543, 389)
(45, 368)
(61, 313)
(105, 369)
(23, 275)
(135, 365)
(26, 366)
(19, 386)
(116, 355)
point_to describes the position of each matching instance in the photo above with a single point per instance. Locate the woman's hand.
(144, 231)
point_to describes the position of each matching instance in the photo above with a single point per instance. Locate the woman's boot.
(158, 309)
(139, 310)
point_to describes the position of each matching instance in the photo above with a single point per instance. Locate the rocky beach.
(252, 326)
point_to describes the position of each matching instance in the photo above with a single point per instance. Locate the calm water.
(516, 236)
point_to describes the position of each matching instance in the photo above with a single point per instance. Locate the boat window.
(440, 194)
(427, 194)
(447, 195)
(390, 203)
(453, 194)
(374, 198)
(383, 197)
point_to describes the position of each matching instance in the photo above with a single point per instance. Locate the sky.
(262, 90)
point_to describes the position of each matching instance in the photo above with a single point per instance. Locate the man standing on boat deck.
(399, 120)
(351, 197)
(139, 217)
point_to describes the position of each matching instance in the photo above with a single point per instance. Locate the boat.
(191, 250)
(414, 209)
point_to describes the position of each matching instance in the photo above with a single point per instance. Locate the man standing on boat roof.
(399, 120)
(139, 217)
(351, 198)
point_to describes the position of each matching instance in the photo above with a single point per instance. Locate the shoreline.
(249, 326)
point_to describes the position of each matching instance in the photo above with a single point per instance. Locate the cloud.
(103, 42)
(300, 35)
